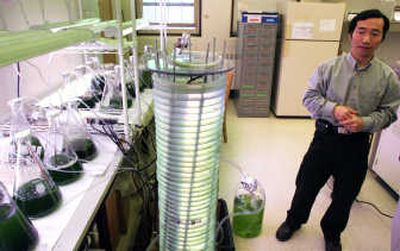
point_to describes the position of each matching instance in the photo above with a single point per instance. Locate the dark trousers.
(345, 157)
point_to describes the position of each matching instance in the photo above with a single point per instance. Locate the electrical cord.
(330, 186)
(375, 207)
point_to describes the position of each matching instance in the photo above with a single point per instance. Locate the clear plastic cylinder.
(189, 117)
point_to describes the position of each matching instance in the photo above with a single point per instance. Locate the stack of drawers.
(255, 67)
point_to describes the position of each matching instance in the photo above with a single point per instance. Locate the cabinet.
(387, 158)
(256, 51)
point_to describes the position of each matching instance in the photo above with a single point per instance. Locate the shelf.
(18, 46)
(101, 46)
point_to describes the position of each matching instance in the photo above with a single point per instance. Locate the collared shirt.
(373, 91)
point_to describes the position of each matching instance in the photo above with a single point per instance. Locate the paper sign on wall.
(302, 30)
(327, 25)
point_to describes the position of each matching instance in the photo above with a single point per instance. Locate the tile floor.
(271, 149)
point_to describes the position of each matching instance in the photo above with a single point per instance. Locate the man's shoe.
(285, 231)
(333, 245)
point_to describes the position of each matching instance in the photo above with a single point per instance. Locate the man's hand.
(353, 124)
(342, 112)
(348, 118)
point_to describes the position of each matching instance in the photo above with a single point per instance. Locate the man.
(350, 97)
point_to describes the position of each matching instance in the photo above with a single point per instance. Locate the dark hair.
(367, 14)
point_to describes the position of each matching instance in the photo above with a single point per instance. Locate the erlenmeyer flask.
(16, 231)
(34, 191)
(88, 98)
(112, 98)
(31, 113)
(98, 80)
(60, 160)
(76, 134)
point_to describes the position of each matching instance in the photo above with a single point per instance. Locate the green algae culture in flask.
(16, 230)
(35, 192)
(29, 113)
(248, 208)
(60, 160)
(76, 134)
(112, 97)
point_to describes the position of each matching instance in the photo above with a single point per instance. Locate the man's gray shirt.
(373, 91)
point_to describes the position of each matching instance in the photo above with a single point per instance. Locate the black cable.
(193, 79)
(367, 203)
(375, 207)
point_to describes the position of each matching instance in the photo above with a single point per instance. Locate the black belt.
(326, 127)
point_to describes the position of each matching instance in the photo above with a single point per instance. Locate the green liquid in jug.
(37, 198)
(16, 231)
(66, 172)
(248, 216)
(84, 148)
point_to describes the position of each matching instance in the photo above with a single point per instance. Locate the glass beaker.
(34, 191)
(76, 133)
(16, 231)
(248, 208)
(60, 160)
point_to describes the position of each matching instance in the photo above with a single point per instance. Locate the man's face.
(366, 38)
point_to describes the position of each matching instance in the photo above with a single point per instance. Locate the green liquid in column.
(37, 198)
(84, 148)
(16, 231)
(67, 171)
(248, 216)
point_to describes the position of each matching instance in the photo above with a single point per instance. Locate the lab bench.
(93, 197)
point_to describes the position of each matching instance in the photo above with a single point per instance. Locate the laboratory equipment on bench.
(75, 132)
(16, 231)
(33, 114)
(248, 208)
(112, 97)
(189, 91)
(35, 192)
(59, 159)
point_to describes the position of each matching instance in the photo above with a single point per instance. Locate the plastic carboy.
(35, 192)
(60, 160)
(248, 208)
(16, 231)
